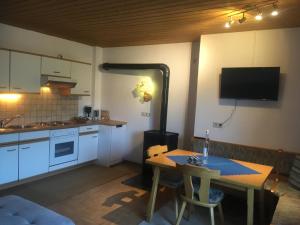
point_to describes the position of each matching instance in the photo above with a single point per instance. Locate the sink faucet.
(6, 121)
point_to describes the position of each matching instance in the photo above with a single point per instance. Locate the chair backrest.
(157, 150)
(205, 175)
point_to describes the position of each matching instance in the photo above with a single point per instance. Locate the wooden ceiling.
(109, 23)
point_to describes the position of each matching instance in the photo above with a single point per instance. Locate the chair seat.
(215, 195)
(171, 179)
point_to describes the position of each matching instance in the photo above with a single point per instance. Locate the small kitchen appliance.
(87, 111)
(96, 114)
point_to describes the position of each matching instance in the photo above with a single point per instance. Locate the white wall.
(98, 60)
(177, 57)
(262, 124)
(118, 99)
(25, 40)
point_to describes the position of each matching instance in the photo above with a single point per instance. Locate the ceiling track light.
(259, 15)
(275, 10)
(249, 8)
(243, 19)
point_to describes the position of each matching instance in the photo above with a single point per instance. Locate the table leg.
(151, 203)
(262, 206)
(250, 205)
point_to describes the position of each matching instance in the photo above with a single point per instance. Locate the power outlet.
(145, 114)
(217, 125)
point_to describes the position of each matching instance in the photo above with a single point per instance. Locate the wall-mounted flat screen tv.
(257, 83)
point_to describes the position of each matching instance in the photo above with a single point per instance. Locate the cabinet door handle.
(17, 88)
(86, 91)
(56, 72)
(25, 148)
(94, 136)
(89, 128)
(11, 150)
(3, 87)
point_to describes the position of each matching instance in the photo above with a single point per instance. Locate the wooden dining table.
(247, 183)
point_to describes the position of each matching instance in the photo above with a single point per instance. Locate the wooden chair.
(169, 179)
(200, 194)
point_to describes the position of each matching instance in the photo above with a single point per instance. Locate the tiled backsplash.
(40, 108)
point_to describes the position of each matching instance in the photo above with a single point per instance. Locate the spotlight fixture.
(251, 8)
(275, 10)
(259, 15)
(229, 22)
(243, 19)
(227, 25)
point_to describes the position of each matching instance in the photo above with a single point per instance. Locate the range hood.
(57, 82)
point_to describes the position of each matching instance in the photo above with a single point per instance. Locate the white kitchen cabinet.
(82, 73)
(56, 67)
(88, 147)
(33, 159)
(25, 73)
(4, 71)
(8, 164)
(111, 144)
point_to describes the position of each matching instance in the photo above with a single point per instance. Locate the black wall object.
(151, 138)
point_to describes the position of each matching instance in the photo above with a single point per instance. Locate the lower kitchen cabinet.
(8, 164)
(111, 144)
(88, 147)
(33, 159)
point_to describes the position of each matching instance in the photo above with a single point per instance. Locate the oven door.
(63, 149)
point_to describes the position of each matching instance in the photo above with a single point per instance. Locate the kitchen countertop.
(70, 124)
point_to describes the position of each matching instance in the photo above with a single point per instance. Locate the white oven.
(63, 146)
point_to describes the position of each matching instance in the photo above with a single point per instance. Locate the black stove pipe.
(165, 90)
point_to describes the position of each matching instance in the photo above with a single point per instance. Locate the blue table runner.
(226, 166)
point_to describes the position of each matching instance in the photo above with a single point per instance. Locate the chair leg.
(212, 217)
(176, 205)
(181, 213)
(189, 211)
(221, 213)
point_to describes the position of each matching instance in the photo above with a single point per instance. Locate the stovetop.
(53, 123)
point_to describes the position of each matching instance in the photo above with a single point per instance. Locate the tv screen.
(259, 83)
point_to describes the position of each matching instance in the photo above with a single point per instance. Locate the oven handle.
(88, 133)
(63, 137)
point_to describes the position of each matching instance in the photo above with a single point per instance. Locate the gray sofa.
(15, 210)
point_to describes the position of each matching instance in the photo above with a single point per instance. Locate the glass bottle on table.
(206, 147)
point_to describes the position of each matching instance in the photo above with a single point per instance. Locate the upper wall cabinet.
(25, 73)
(4, 71)
(82, 73)
(56, 67)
